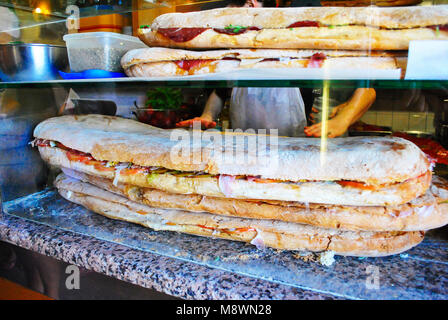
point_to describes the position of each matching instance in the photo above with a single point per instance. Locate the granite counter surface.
(171, 276)
(193, 267)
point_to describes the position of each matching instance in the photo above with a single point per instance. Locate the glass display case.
(43, 76)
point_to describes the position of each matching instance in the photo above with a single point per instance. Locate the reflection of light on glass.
(38, 57)
(374, 16)
(42, 9)
(324, 120)
(35, 25)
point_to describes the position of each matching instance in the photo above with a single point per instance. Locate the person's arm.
(345, 114)
(211, 111)
(213, 107)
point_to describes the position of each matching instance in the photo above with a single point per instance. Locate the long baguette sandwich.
(262, 233)
(351, 28)
(426, 212)
(349, 171)
(160, 62)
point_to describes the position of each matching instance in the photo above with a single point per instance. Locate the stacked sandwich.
(343, 38)
(365, 197)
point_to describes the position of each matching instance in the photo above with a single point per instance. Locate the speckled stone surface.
(200, 268)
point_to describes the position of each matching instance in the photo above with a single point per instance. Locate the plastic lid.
(86, 35)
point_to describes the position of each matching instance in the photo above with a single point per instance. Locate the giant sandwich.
(123, 169)
(356, 171)
(349, 28)
(161, 62)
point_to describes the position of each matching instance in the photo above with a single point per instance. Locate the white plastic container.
(99, 50)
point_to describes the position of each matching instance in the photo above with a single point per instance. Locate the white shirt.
(268, 108)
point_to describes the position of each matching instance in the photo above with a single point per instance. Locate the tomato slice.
(244, 229)
(61, 146)
(202, 226)
(181, 34)
(354, 184)
(101, 167)
(47, 143)
(130, 171)
(80, 157)
(305, 23)
(187, 65)
(259, 180)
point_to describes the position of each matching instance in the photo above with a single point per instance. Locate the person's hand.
(205, 123)
(335, 127)
(333, 113)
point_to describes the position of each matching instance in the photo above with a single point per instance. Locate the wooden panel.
(12, 291)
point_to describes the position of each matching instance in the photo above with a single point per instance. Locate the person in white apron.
(268, 108)
(257, 108)
(283, 109)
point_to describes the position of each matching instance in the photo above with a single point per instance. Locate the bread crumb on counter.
(325, 258)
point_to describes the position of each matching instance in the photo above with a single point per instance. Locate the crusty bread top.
(393, 17)
(154, 54)
(367, 159)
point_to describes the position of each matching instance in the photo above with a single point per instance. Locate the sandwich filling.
(240, 186)
(191, 66)
(184, 34)
(208, 66)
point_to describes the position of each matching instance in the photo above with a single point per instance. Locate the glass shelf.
(201, 83)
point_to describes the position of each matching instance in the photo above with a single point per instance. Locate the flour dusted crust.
(275, 234)
(374, 160)
(423, 213)
(355, 28)
(152, 62)
(315, 192)
(337, 38)
(274, 18)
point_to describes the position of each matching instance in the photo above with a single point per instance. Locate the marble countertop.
(171, 276)
(192, 267)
